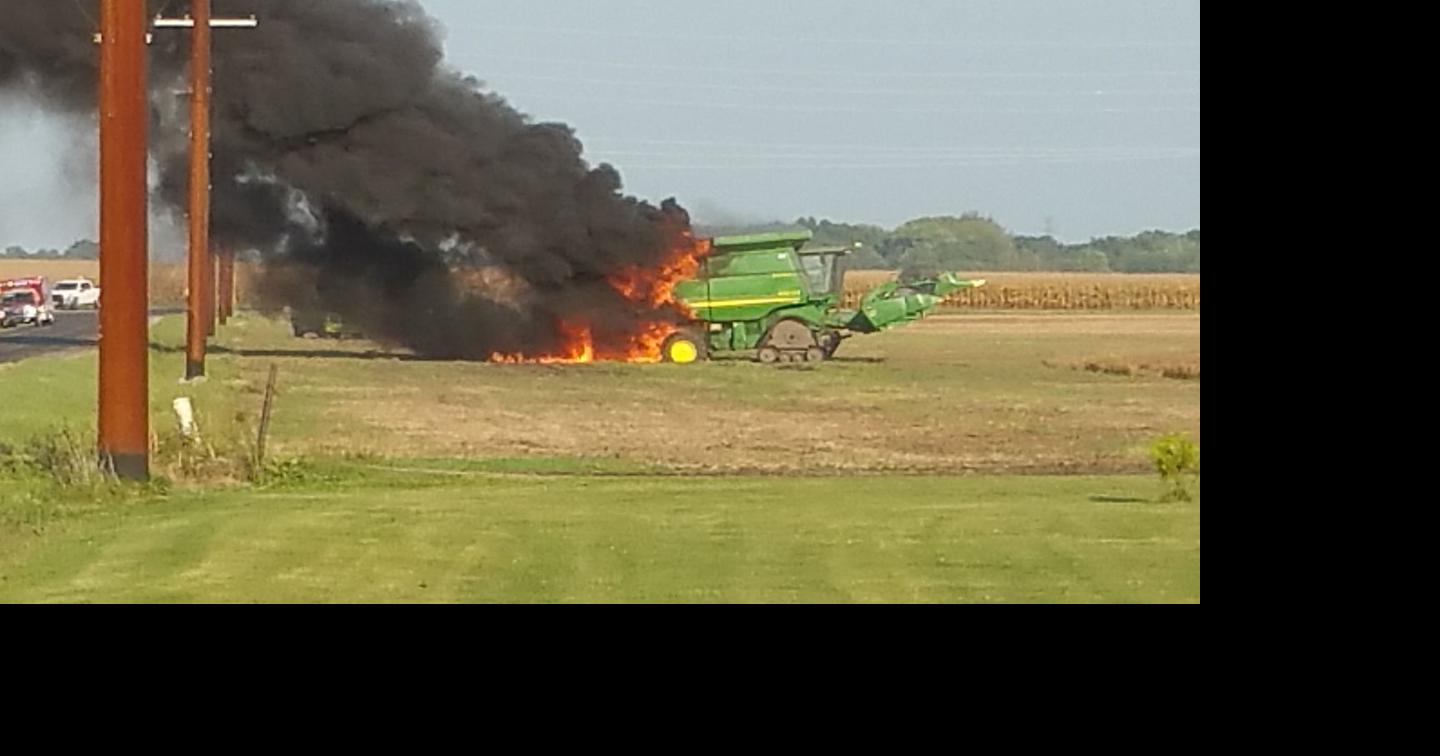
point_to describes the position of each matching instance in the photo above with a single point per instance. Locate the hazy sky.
(1074, 117)
(47, 177)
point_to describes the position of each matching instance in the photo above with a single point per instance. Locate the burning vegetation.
(365, 172)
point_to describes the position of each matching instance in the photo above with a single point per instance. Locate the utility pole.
(227, 284)
(124, 401)
(212, 298)
(211, 315)
(199, 258)
(201, 304)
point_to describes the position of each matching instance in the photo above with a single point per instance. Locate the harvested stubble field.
(1056, 291)
(991, 393)
(1001, 393)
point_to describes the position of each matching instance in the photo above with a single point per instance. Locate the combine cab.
(768, 295)
(313, 323)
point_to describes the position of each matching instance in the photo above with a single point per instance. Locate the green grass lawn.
(366, 535)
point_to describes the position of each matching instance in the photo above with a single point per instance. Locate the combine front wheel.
(682, 349)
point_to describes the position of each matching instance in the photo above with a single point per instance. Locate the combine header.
(768, 295)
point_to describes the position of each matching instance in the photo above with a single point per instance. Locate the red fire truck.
(25, 301)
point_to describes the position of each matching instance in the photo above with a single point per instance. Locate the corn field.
(1004, 291)
(1055, 291)
(168, 284)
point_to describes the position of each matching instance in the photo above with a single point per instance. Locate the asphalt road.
(72, 330)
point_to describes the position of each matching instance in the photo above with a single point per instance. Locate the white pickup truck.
(75, 294)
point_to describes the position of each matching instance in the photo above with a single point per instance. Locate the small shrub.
(64, 457)
(10, 460)
(287, 473)
(223, 451)
(1182, 372)
(1177, 460)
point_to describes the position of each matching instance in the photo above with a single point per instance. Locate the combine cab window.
(820, 273)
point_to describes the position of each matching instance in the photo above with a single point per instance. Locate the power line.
(1121, 154)
(710, 105)
(771, 72)
(829, 41)
(812, 162)
(821, 90)
(812, 147)
(88, 16)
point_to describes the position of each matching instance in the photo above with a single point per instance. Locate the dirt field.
(1007, 392)
(995, 393)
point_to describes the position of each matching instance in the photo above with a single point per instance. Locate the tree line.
(970, 242)
(924, 247)
(80, 250)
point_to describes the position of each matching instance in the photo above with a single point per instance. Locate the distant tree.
(83, 250)
(872, 239)
(918, 263)
(743, 230)
(1092, 260)
(1050, 254)
(969, 242)
(830, 234)
(15, 251)
(1047, 252)
(867, 258)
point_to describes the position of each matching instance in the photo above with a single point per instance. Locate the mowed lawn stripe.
(633, 539)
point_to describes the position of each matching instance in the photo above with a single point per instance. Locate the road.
(72, 330)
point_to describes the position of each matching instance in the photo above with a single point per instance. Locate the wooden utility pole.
(227, 284)
(124, 401)
(201, 304)
(212, 298)
(198, 326)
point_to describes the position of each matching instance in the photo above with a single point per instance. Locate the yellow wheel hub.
(683, 353)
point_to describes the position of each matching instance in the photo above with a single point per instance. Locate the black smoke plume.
(363, 169)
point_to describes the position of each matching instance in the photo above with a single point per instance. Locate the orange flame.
(652, 289)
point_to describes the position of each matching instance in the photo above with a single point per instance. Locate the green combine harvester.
(769, 296)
